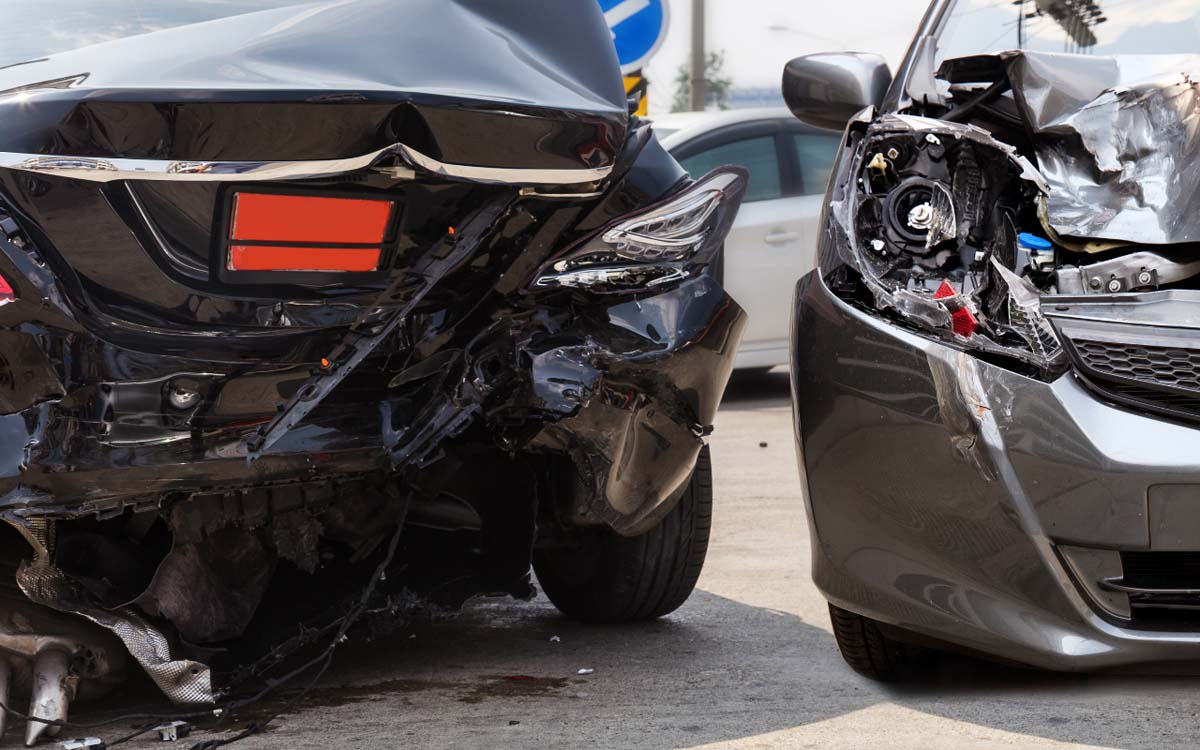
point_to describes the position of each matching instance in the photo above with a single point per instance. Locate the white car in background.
(773, 242)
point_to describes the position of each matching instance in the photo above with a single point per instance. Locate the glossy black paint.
(175, 422)
(538, 77)
(120, 299)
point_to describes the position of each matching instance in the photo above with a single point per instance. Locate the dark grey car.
(996, 366)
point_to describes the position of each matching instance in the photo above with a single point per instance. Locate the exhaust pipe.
(53, 690)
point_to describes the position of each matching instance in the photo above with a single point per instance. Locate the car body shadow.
(718, 671)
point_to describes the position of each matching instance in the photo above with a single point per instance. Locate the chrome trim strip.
(1118, 584)
(502, 175)
(111, 170)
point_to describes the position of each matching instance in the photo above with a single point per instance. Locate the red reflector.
(962, 320)
(273, 258)
(944, 291)
(259, 217)
(6, 291)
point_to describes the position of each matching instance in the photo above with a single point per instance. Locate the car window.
(816, 152)
(758, 155)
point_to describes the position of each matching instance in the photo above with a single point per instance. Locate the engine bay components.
(964, 213)
(934, 214)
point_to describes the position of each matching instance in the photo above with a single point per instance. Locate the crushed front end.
(236, 363)
(994, 368)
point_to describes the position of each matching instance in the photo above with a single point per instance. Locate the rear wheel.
(608, 578)
(868, 650)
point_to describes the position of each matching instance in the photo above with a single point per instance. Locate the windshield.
(1092, 27)
(50, 26)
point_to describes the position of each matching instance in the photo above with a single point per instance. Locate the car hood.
(1116, 139)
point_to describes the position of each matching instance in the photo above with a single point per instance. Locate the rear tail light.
(290, 258)
(663, 244)
(272, 232)
(6, 292)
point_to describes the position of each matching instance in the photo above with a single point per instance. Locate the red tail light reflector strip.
(284, 233)
(288, 258)
(264, 217)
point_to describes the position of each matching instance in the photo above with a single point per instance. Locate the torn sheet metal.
(181, 680)
(962, 406)
(1116, 140)
(444, 374)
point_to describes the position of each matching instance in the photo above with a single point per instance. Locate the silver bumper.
(943, 491)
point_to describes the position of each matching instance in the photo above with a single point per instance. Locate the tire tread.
(644, 577)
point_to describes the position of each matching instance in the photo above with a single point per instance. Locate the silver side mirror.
(827, 89)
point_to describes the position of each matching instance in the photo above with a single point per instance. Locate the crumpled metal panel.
(181, 680)
(1116, 138)
(336, 79)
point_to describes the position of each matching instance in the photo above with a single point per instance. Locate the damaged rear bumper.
(971, 505)
(627, 392)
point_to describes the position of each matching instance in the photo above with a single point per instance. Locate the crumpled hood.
(1117, 139)
(536, 81)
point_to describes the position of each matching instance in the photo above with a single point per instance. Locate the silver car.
(769, 246)
(996, 364)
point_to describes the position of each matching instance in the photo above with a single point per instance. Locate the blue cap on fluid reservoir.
(1033, 242)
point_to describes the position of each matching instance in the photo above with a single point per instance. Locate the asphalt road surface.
(748, 662)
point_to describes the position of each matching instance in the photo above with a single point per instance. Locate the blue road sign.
(638, 28)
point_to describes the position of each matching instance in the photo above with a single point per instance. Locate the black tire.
(608, 578)
(868, 650)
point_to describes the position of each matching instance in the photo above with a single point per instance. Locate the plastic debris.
(85, 743)
(555, 639)
(586, 670)
(174, 731)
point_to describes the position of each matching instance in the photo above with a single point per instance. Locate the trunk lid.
(114, 157)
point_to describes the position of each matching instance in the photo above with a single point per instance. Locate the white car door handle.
(782, 238)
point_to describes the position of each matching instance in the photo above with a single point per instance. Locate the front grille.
(1164, 587)
(1152, 365)
(1161, 570)
(1162, 379)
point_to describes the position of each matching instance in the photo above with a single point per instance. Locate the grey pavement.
(748, 662)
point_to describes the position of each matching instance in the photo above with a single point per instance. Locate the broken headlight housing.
(931, 224)
(668, 242)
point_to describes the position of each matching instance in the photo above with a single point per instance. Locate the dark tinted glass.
(816, 152)
(755, 154)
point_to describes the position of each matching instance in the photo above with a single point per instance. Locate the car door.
(764, 238)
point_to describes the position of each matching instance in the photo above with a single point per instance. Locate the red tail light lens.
(284, 258)
(272, 232)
